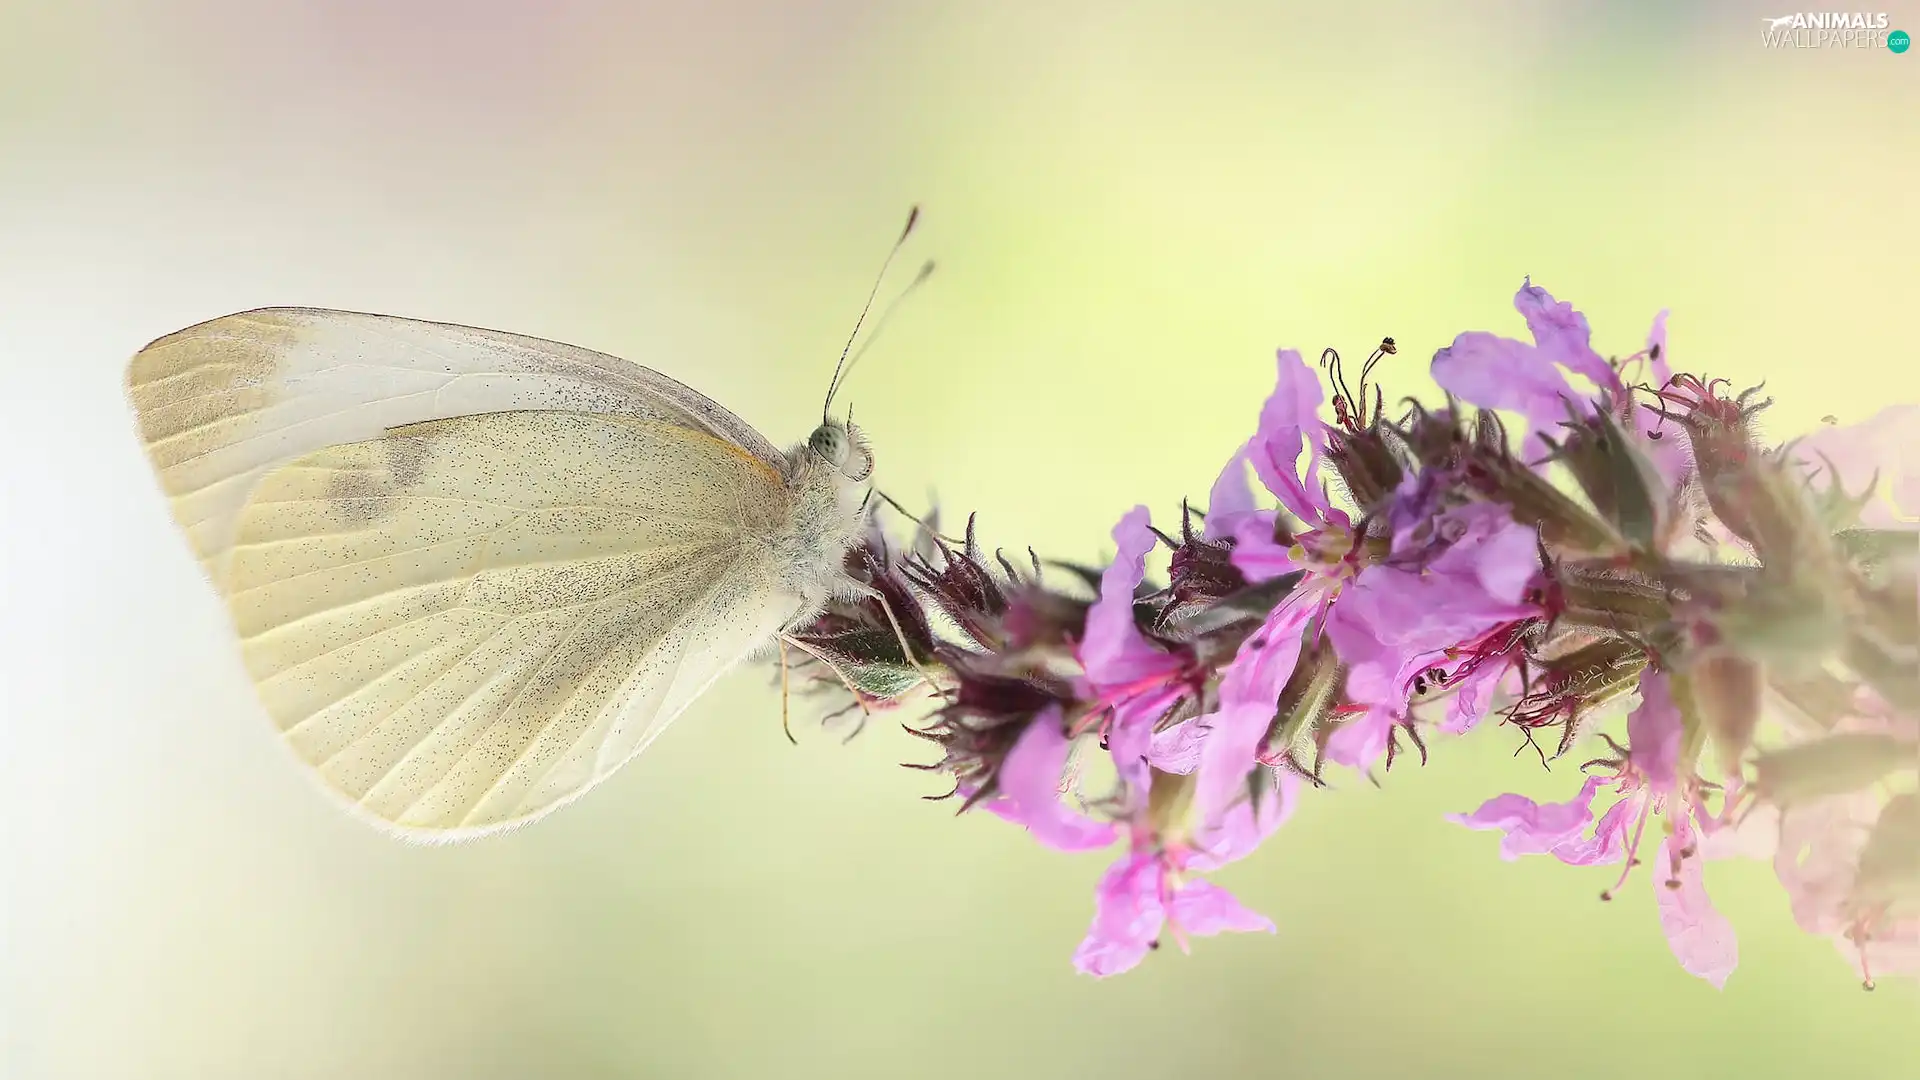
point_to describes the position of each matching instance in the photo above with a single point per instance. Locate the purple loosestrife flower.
(1148, 891)
(1440, 583)
(1651, 779)
(1764, 603)
(1133, 682)
(1403, 620)
(1153, 886)
(1290, 426)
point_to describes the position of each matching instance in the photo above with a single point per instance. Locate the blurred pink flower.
(1883, 451)
(1818, 862)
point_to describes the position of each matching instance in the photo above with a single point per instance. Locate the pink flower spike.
(1701, 938)
(1029, 782)
(1533, 828)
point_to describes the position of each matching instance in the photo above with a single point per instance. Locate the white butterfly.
(475, 573)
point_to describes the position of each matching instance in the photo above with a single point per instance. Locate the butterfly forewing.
(460, 613)
(221, 402)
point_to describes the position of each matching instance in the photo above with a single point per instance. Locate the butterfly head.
(843, 447)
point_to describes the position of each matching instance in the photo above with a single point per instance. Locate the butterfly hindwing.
(466, 623)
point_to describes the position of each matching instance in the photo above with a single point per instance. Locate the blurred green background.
(1133, 205)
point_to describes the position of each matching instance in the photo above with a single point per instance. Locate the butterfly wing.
(467, 623)
(220, 403)
(461, 613)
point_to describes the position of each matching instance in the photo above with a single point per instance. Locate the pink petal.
(1472, 698)
(1204, 909)
(1533, 828)
(1029, 782)
(1500, 373)
(1360, 741)
(1290, 424)
(1255, 553)
(1819, 857)
(1177, 749)
(1230, 500)
(1608, 844)
(1114, 654)
(1499, 553)
(1249, 692)
(1130, 744)
(1701, 938)
(1892, 948)
(1563, 336)
(1234, 833)
(1657, 340)
(1243, 827)
(1654, 731)
(1127, 916)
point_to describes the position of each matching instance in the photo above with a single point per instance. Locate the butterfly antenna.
(913, 218)
(880, 324)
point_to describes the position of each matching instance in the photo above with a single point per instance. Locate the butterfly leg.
(786, 640)
(786, 727)
(906, 650)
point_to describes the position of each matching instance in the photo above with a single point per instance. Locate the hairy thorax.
(828, 515)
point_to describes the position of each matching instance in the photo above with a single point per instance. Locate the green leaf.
(1894, 677)
(1725, 689)
(1615, 477)
(1890, 863)
(1835, 765)
(1783, 618)
(883, 681)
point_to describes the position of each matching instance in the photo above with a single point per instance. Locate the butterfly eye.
(830, 443)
